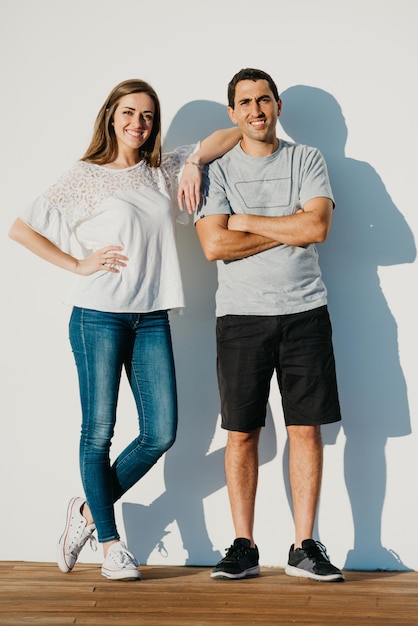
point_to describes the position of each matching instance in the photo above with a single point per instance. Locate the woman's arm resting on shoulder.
(212, 147)
(216, 144)
(221, 244)
(311, 224)
(102, 259)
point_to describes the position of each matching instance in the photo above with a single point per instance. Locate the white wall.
(347, 71)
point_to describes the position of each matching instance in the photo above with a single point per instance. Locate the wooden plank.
(38, 593)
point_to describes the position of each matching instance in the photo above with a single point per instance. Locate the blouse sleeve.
(55, 213)
(49, 222)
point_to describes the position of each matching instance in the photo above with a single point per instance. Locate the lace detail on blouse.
(85, 186)
(171, 165)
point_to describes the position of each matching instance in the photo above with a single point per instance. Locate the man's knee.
(240, 439)
(304, 434)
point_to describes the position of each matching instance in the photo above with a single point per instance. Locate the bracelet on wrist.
(195, 164)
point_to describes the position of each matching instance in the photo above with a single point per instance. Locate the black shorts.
(298, 347)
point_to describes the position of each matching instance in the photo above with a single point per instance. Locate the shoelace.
(235, 550)
(122, 557)
(80, 540)
(321, 549)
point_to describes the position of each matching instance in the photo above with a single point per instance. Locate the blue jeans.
(103, 344)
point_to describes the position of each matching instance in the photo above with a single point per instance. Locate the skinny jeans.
(103, 345)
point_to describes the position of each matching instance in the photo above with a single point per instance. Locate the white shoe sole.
(122, 574)
(291, 570)
(247, 573)
(61, 560)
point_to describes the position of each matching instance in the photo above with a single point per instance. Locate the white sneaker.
(76, 534)
(120, 564)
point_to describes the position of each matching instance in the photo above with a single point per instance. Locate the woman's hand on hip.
(109, 259)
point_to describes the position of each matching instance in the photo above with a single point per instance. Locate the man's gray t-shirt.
(286, 279)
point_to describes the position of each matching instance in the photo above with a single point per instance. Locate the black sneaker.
(240, 561)
(311, 561)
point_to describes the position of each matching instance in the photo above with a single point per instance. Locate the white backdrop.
(347, 72)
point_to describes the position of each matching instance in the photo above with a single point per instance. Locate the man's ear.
(279, 107)
(231, 114)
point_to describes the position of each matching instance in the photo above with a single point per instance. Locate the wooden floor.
(38, 593)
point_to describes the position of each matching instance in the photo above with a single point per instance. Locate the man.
(268, 202)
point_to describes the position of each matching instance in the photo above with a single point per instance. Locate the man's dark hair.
(249, 73)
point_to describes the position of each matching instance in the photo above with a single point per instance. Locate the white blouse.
(93, 206)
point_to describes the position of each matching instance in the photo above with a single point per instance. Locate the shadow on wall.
(191, 471)
(368, 231)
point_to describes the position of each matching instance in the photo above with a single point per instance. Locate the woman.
(116, 203)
